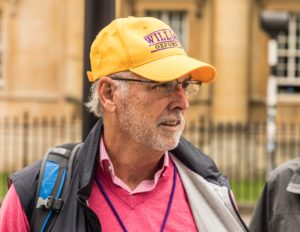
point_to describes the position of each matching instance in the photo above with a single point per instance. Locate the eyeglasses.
(191, 87)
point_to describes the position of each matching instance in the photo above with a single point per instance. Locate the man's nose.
(179, 99)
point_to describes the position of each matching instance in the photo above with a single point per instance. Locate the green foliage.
(247, 191)
(3, 185)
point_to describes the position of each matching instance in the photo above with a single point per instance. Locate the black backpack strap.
(54, 179)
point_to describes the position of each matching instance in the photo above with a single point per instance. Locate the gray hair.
(93, 105)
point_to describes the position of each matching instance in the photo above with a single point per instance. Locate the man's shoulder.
(286, 169)
(28, 172)
(25, 182)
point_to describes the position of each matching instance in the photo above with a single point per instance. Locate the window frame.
(180, 23)
(288, 65)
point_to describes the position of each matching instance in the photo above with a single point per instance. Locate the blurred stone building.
(41, 45)
(41, 49)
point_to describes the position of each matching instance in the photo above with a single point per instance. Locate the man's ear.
(106, 90)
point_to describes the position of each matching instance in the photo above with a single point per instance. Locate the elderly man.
(134, 172)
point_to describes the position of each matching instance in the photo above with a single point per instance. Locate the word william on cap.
(162, 39)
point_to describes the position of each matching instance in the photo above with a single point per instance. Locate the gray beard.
(137, 127)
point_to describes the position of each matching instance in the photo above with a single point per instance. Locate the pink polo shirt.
(141, 209)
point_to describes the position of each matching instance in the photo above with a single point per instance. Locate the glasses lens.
(165, 87)
(192, 89)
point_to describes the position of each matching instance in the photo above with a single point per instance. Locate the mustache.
(173, 117)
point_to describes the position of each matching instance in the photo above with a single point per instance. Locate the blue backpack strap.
(54, 178)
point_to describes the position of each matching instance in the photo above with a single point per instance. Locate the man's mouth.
(171, 123)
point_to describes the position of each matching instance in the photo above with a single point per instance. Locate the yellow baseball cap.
(145, 46)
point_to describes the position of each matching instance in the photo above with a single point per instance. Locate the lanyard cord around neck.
(117, 214)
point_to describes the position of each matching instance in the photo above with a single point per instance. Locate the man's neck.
(133, 163)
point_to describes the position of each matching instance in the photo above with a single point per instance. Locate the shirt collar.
(107, 166)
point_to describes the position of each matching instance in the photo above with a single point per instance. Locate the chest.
(143, 211)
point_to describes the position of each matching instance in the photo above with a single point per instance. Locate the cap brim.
(173, 67)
